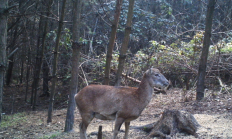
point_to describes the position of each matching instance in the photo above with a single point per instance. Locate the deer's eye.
(157, 75)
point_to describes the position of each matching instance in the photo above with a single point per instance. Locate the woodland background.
(165, 34)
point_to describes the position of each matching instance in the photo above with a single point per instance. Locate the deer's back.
(107, 99)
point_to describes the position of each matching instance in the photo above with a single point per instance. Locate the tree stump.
(170, 123)
(99, 135)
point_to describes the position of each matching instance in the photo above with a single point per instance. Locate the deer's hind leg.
(86, 119)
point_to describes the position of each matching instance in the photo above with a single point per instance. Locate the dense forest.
(51, 49)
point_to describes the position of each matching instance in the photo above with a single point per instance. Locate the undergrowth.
(12, 120)
(51, 136)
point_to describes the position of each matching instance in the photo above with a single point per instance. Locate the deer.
(122, 104)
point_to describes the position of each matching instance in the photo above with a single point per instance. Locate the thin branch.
(11, 54)
(86, 81)
(223, 86)
(6, 11)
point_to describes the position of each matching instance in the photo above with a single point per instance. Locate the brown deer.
(123, 104)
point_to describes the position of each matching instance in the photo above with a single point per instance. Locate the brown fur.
(121, 103)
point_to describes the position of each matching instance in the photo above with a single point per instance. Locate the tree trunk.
(76, 46)
(28, 70)
(3, 42)
(205, 50)
(12, 46)
(38, 62)
(40, 50)
(29, 56)
(125, 43)
(25, 40)
(46, 69)
(11, 58)
(112, 41)
(9, 69)
(54, 76)
(22, 69)
(45, 79)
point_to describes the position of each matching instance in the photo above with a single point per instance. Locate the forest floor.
(214, 114)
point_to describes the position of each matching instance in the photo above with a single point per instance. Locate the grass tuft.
(13, 120)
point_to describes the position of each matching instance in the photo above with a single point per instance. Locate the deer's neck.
(145, 92)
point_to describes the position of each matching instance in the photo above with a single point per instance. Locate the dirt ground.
(214, 114)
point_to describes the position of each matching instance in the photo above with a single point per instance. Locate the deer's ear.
(148, 72)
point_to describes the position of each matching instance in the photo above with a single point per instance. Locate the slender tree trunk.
(9, 69)
(22, 69)
(112, 41)
(76, 46)
(25, 40)
(205, 50)
(12, 46)
(11, 58)
(3, 42)
(29, 56)
(46, 69)
(45, 79)
(54, 77)
(40, 50)
(125, 43)
(38, 63)
(28, 70)
(91, 41)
